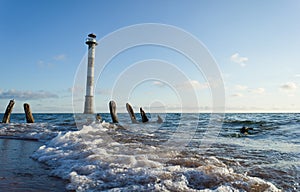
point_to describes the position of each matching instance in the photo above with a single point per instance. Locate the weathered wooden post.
(131, 113)
(28, 114)
(144, 117)
(159, 119)
(6, 117)
(113, 111)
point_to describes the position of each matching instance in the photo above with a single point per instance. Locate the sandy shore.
(18, 172)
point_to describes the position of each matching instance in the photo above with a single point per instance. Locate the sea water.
(95, 156)
(19, 172)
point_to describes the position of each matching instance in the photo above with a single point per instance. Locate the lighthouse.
(89, 97)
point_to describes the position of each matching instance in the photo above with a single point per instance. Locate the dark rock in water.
(131, 113)
(98, 118)
(159, 119)
(245, 130)
(144, 117)
(115, 126)
(113, 111)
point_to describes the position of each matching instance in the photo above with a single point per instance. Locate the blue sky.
(255, 43)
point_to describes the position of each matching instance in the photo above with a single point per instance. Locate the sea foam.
(92, 160)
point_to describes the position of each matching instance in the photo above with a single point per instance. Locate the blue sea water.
(184, 153)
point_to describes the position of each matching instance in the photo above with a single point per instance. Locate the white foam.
(37, 131)
(91, 160)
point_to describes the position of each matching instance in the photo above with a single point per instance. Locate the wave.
(92, 161)
(26, 131)
(244, 122)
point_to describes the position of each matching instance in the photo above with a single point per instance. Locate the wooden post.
(131, 113)
(6, 117)
(159, 119)
(144, 117)
(28, 114)
(113, 111)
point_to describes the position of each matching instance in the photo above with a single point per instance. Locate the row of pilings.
(112, 110)
(114, 116)
(9, 108)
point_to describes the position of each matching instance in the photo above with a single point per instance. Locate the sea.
(187, 152)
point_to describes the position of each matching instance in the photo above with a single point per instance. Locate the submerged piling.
(6, 117)
(144, 117)
(159, 119)
(113, 111)
(28, 114)
(131, 113)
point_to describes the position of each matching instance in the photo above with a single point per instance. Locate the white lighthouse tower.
(89, 97)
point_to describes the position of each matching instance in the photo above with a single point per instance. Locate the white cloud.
(198, 85)
(289, 86)
(236, 58)
(186, 85)
(158, 84)
(258, 91)
(60, 57)
(237, 95)
(192, 84)
(50, 64)
(241, 87)
(26, 95)
(43, 64)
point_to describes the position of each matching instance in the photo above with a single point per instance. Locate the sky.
(255, 45)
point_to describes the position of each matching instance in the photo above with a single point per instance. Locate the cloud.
(26, 95)
(258, 91)
(43, 64)
(51, 63)
(237, 95)
(59, 57)
(158, 84)
(198, 85)
(289, 86)
(241, 87)
(186, 85)
(192, 84)
(236, 58)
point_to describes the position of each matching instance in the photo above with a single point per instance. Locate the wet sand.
(18, 172)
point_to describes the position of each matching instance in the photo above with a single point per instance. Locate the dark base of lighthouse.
(89, 105)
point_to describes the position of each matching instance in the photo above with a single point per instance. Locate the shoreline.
(19, 172)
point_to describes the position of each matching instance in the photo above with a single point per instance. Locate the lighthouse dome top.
(91, 39)
(92, 35)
